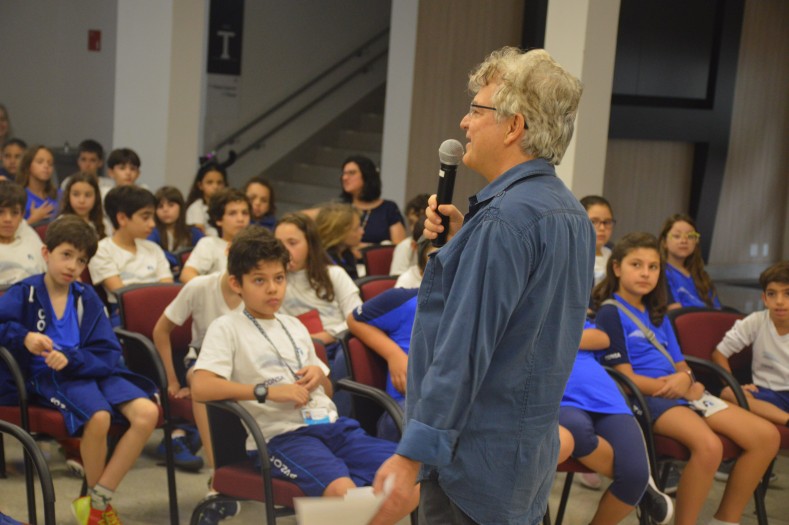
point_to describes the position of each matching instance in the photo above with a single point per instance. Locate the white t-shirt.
(301, 298)
(412, 278)
(403, 258)
(22, 257)
(208, 256)
(770, 363)
(202, 299)
(197, 213)
(600, 262)
(148, 265)
(234, 349)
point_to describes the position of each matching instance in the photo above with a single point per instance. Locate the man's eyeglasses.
(691, 236)
(473, 106)
(607, 224)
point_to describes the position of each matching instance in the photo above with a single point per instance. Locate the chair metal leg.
(2, 457)
(568, 484)
(170, 466)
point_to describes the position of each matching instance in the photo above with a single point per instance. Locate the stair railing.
(358, 52)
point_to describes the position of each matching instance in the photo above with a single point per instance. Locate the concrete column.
(399, 95)
(159, 87)
(581, 35)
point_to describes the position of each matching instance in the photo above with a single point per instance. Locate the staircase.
(310, 174)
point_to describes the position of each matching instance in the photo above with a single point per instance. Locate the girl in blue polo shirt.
(635, 277)
(688, 283)
(607, 437)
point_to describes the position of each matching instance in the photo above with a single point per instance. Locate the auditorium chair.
(235, 476)
(377, 259)
(699, 331)
(373, 285)
(34, 460)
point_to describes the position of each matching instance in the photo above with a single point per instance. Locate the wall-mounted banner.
(225, 29)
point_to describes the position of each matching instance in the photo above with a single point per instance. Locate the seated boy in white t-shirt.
(767, 332)
(20, 245)
(267, 362)
(204, 299)
(228, 212)
(128, 257)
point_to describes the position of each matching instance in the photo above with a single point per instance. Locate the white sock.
(714, 521)
(178, 433)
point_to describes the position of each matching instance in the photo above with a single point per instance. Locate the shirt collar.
(508, 178)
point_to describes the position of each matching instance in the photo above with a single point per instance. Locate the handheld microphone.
(450, 154)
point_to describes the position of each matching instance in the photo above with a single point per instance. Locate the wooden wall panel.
(453, 36)
(753, 205)
(647, 181)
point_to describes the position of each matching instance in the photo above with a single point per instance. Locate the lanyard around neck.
(279, 356)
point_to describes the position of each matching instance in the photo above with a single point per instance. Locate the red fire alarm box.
(94, 40)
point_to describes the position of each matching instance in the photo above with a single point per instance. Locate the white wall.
(399, 95)
(55, 89)
(142, 80)
(287, 43)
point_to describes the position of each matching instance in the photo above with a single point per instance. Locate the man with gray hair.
(500, 310)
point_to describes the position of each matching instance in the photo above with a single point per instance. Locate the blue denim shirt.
(499, 320)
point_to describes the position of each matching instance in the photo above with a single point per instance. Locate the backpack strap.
(650, 335)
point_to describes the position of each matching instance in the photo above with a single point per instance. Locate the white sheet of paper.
(357, 508)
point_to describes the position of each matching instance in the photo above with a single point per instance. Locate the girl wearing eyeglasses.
(688, 283)
(602, 216)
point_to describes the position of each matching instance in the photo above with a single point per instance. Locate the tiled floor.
(142, 497)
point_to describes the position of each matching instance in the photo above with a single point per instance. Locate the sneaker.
(659, 505)
(218, 511)
(590, 480)
(8, 520)
(182, 456)
(193, 439)
(111, 517)
(85, 514)
(74, 468)
(672, 480)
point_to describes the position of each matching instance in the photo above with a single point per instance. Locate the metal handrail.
(355, 53)
(260, 140)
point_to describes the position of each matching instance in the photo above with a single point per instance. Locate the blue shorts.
(659, 405)
(314, 456)
(79, 399)
(779, 398)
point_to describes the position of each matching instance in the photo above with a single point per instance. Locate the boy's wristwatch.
(260, 391)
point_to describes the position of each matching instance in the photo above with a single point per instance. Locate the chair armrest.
(39, 463)
(631, 392)
(19, 380)
(376, 395)
(155, 372)
(725, 376)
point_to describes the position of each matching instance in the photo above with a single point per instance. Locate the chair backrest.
(368, 368)
(41, 229)
(700, 330)
(365, 366)
(311, 321)
(373, 285)
(378, 259)
(141, 305)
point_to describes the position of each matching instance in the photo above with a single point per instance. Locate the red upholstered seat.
(243, 480)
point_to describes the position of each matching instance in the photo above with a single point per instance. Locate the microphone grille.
(450, 152)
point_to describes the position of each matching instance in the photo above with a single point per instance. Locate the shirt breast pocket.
(427, 279)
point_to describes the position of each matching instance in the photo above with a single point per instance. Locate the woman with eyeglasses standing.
(602, 216)
(688, 282)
